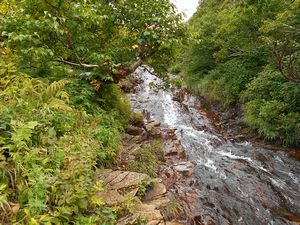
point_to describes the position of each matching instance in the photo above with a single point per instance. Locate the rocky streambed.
(173, 185)
(234, 182)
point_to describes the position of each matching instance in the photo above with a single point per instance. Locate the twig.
(148, 70)
(78, 64)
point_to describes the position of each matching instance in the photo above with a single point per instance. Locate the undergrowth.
(51, 146)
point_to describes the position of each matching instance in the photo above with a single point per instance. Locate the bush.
(137, 118)
(272, 107)
(111, 98)
(223, 84)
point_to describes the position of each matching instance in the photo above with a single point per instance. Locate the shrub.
(137, 118)
(111, 98)
(272, 107)
(223, 84)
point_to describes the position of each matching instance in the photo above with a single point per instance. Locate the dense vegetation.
(247, 53)
(62, 112)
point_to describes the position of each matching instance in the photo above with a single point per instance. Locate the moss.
(137, 118)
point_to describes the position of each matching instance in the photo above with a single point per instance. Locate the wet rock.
(146, 114)
(155, 132)
(152, 124)
(133, 130)
(201, 127)
(180, 95)
(156, 191)
(138, 80)
(240, 138)
(185, 168)
(169, 134)
(174, 148)
(296, 154)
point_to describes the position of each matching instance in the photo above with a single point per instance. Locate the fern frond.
(59, 104)
(55, 87)
(63, 96)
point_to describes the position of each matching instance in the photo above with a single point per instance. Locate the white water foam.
(232, 156)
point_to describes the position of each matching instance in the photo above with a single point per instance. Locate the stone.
(169, 134)
(150, 214)
(159, 202)
(132, 130)
(174, 223)
(115, 180)
(185, 168)
(155, 132)
(111, 197)
(133, 192)
(156, 191)
(152, 124)
(132, 179)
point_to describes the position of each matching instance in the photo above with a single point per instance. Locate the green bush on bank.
(222, 84)
(272, 106)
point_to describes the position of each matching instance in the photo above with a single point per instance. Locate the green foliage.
(273, 106)
(96, 36)
(50, 151)
(127, 84)
(140, 221)
(147, 158)
(172, 210)
(222, 84)
(137, 118)
(145, 186)
(233, 47)
(112, 98)
(60, 113)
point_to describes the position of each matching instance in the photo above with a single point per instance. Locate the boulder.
(185, 168)
(152, 124)
(132, 130)
(110, 197)
(156, 191)
(174, 223)
(159, 202)
(116, 180)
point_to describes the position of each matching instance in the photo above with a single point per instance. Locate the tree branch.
(78, 64)
(148, 70)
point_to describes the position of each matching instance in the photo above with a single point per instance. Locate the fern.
(55, 89)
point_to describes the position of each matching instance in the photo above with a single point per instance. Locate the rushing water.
(238, 183)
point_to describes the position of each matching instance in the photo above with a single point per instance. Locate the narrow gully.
(238, 183)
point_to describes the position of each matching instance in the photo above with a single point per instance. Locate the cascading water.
(238, 183)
